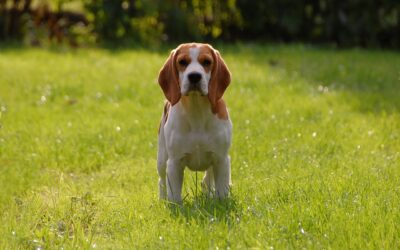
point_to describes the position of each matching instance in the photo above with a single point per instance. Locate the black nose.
(194, 77)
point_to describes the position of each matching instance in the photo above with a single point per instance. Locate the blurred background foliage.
(365, 23)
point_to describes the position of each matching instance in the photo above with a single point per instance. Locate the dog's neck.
(197, 110)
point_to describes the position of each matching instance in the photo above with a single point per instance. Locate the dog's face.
(194, 68)
(194, 64)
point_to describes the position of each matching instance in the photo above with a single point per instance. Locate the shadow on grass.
(207, 210)
(15, 46)
(367, 80)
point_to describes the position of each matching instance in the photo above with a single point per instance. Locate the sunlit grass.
(315, 154)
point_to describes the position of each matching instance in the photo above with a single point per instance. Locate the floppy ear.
(220, 79)
(168, 80)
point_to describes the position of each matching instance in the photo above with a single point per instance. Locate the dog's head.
(194, 68)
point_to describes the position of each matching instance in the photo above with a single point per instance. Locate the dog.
(195, 129)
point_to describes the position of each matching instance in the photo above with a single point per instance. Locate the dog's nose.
(194, 77)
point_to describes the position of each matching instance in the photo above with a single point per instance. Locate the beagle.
(195, 129)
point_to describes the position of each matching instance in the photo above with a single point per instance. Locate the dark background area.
(361, 23)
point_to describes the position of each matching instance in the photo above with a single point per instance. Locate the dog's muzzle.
(195, 81)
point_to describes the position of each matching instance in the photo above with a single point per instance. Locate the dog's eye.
(206, 63)
(183, 62)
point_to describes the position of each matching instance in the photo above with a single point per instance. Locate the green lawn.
(315, 154)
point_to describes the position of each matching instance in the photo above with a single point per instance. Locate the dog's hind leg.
(162, 182)
(207, 184)
(162, 157)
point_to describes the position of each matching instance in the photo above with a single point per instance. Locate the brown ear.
(220, 79)
(168, 80)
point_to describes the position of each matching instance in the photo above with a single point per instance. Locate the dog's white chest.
(198, 150)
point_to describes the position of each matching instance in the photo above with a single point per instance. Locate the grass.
(315, 154)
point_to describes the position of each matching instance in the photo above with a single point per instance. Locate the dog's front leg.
(174, 180)
(222, 175)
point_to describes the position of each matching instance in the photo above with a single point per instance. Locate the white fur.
(196, 138)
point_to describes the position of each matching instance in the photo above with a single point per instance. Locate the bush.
(117, 20)
(366, 23)
(155, 21)
(346, 23)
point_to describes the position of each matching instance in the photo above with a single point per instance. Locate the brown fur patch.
(206, 54)
(164, 119)
(166, 111)
(186, 102)
(169, 81)
(221, 110)
(220, 80)
(182, 53)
